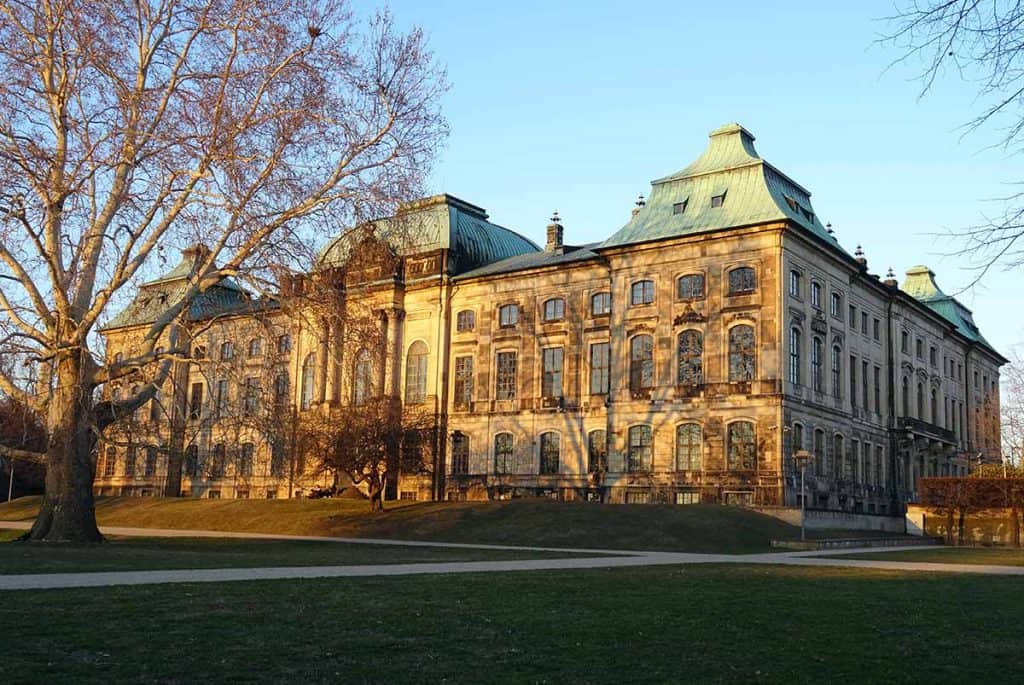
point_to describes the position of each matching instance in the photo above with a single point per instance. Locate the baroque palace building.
(684, 359)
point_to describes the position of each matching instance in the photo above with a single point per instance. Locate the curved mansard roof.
(438, 222)
(920, 284)
(754, 192)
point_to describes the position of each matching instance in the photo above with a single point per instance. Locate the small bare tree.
(1012, 409)
(130, 128)
(981, 42)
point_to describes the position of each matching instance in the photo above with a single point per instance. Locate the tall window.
(508, 315)
(906, 396)
(691, 358)
(641, 292)
(129, 461)
(256, 347)
(554, 309)
(795, 281)
(864, 386)
(284, 344)
(837, 371)
(221, 401)
(691, 287)
(308, 379)
(597, 452)
(816, 294)
(640, 453)
(503, 454)
(277, 458)
(220, 458)
(641, 363)
(506, 376)
(600, 368)
(795, 345)
(549, 444)
(155, 410)
(192, 460)
(853, 381)
(839, 456)
(465, 320)
(742, 281)
(245, 458)
(460, 453)
(904, 342)
(688, 446)
(600, 304)
(463, 381)
(798, 444)
(227, 351)
(740, 446)
(281, 387)
(250, 395)
(551, 380)
(934, 406)
(741, 354)
(416, 373)
(362, 381)
(819, 450)
(835, 307)
(195, 403)
(149, 470)
(920, 401)
(817, 362)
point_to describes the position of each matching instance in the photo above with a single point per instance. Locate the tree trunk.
(68, 512)
(376, 488)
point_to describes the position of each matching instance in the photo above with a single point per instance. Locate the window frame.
(553, 310)
(512, 318)
(606, 299)
(736, 287)
(646, 290)
(465, 321)
(692, 461)
(687, 282)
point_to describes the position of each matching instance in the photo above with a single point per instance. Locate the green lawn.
(950, 555)
(668, 624)
(696, 528)
(125, 554)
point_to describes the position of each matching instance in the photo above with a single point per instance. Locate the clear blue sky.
(577, 106)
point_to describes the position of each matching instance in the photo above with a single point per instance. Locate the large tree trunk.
(68, 512)
(376, 488)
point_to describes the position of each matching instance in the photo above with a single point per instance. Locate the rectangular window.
(679, 207)
(794, 283)
(465, 320)
(853, 316)
(506, 376)
(250, 400)
(933, 355)
(904, 342)
(688, 497)
(460, 453)
(864, 385)
(836, 305)
(195, 405)
(878, 390)
(853, 381)
(641, 293)
(816, 295)
(508, 315)
(463, 381)
(150, 467)
(222, 397)
(551, 381)
(600, 368)
(879, 467)
(600, 304)
(919, 348)
(876, 329)
(864, 323)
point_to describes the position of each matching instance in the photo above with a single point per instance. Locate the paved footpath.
(606, 559)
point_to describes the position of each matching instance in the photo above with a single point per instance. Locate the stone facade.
(684, 359)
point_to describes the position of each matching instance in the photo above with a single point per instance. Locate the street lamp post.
(802, 459)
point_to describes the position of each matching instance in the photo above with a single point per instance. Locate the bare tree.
(982, 41)
(130, 128)
(1012, 409)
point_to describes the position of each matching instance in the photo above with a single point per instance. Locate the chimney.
(555, 232)
(196, 254)
(640, 204)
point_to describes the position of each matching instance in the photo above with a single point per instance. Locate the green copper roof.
(920, 284)
(441, 222)
(752, 191)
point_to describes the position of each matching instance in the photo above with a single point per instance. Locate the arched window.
(836, 305)
(688, 447)
(549, 448)
(554, 309)
(460, 453)
(690, 287)
(740, 446)
(640, 453)
(416, 373)
(741, 354)
(742, 280)
(362, 378)
(816, 294)
(192, 460)
(795, 284)
(227, 350)
(600, 304)
(503, 455)
(597, 452)
(641, 292)
(465, 320)
(837, 371)
(308, 379)
(817, 362)
(641, 364)
(255, 347)
(691, 358)
(795, 349)
(906, 396)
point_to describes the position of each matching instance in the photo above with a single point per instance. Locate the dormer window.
(718, 200)
(793, 204)
(679, 207)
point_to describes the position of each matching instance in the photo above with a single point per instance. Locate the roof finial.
(890, 278)
(640, 201)
(555, 219)
(859, 256)
(828, 227)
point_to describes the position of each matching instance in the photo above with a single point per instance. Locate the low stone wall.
(983, 527)
(824, 519)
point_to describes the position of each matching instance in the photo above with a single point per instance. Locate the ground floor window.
(271, 494)
(739, 499)
(637, 497)
(407, 495)
(688, 497)
(214, 494)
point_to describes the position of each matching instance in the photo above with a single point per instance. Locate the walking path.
(609, 559)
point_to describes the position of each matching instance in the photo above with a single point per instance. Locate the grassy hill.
(693, 528)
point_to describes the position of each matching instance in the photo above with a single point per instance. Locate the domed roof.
(439, 222)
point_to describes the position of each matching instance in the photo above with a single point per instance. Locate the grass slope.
(695, 528)
(683, 624)
(951, 555)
